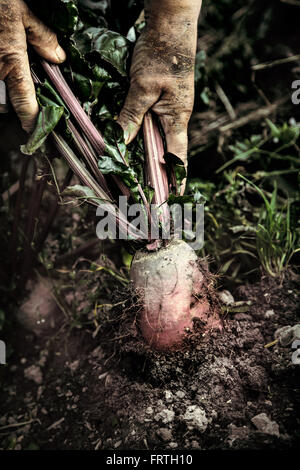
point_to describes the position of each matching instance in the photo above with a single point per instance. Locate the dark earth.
(103, 389)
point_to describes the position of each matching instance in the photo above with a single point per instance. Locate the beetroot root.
(173, 293)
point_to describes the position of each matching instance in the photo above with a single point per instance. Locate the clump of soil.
(81, 389)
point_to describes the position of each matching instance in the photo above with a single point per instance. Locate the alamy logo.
(296, 93)
(135, 222)
(2, 352)
(296, 354)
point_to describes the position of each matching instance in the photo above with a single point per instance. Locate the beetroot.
(173, 288)
(173, 293)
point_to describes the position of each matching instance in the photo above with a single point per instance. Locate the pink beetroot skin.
(172, 289)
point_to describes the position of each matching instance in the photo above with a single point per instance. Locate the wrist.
(174, 22)
(159, 13)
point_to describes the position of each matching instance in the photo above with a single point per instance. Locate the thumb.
(138, 101)
(175, 129)
(43, 39)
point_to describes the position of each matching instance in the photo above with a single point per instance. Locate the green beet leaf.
(48, 118)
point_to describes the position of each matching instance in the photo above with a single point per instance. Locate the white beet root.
(172, 291)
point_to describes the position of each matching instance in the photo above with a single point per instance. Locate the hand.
(162, 78)
(17, 26)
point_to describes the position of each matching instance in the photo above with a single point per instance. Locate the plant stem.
(83, 120)
(53, 212)
(156, 167)
(34, 209)
(88, 154)
(73, 104)
(90, 182)
(14, 238)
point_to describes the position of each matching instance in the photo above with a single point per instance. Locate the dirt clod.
(265, 425)
(196, 418)
(34, 373)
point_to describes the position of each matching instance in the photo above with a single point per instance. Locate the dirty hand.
(17, 26)
(162, 72)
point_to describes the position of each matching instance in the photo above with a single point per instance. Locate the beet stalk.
(169, 281)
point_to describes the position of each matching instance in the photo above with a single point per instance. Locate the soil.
(83, 388)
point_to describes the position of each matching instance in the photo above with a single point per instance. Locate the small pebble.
(265, 425)
(226, 297)
(269, 314)
(173, 445)
(168, 396)
(164, 434)
(165, 416)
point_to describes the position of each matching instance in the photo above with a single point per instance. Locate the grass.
(252, 204)
(275, 242)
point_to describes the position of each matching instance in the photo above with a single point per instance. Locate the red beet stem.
(156, 166)
(73, 104)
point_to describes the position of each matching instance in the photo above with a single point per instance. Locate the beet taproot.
(173, 292)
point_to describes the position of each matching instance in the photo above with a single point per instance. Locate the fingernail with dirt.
(126, 136)
(130, 130)
(60, 53)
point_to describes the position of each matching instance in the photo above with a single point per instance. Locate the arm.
(17, 26)
(162, 71)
